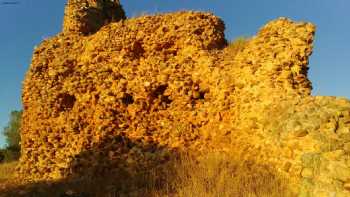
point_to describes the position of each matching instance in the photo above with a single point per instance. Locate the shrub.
(12, 135)
(237, 45)
(9, 154)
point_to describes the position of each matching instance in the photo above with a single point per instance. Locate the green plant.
(9, 154)
(12, 135)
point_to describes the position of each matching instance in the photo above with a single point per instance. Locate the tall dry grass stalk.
(237, 45)
(7, 170)
(220, 175)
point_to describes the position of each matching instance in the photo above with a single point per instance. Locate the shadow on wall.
(105, 171)
(93, 20)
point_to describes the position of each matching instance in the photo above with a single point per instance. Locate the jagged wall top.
(87, 16)
(278, 57)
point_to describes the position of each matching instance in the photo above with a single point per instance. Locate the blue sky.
(24, 25)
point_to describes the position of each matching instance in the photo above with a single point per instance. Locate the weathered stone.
(307, 173)
(88, 16)
(347, 186)
(137, 92)
(347, 147)
(339, 171)
(310, 160)
(301, 133)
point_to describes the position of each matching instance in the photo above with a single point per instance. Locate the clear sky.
(24, 25)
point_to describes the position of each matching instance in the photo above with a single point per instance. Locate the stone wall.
(138, 92)
(87, 16)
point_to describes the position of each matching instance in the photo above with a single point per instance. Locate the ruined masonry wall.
(132, 94)
(87, 16)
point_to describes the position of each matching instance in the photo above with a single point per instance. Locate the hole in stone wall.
(159, 90)
(137, 49)
(158, 93)
(198, 31)
(166, 99)
(163, 46)
(97, 97)
(201, 95)
(128, 99)
(66, 101)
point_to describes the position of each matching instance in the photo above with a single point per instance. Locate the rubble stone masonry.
(109, 93)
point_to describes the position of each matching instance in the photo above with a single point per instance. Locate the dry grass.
(219, 175)
(214, 175)
(237, 45)
(7, 170)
